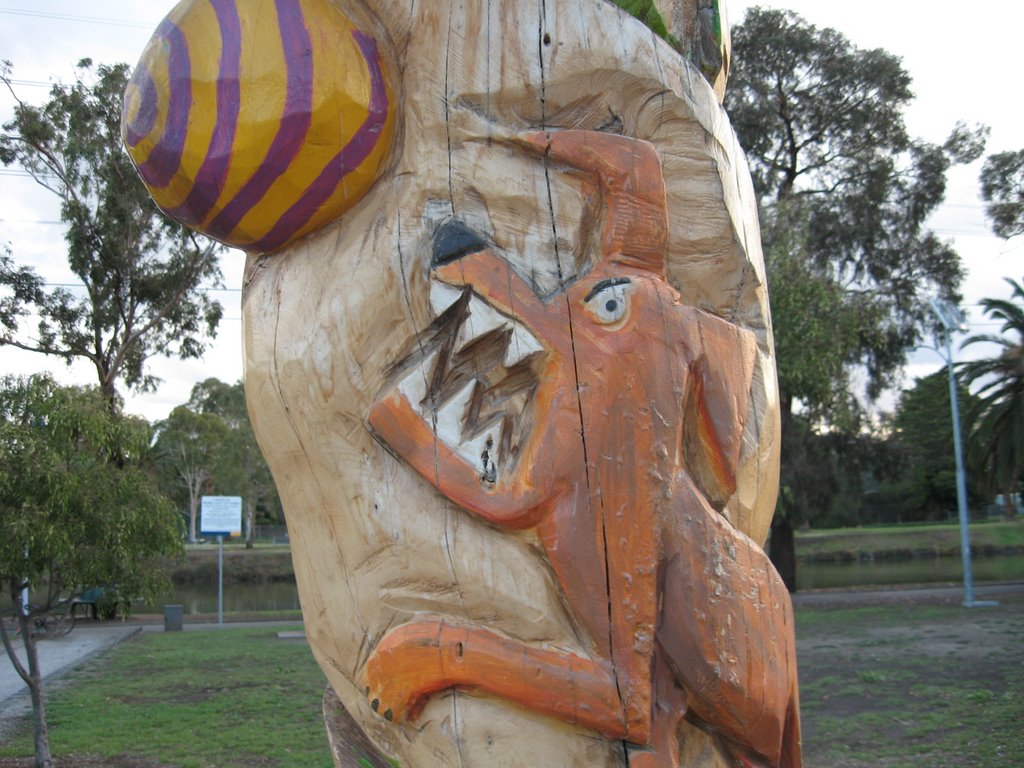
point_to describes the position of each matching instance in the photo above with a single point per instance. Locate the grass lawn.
(227, 698)
(889, 686)
(905, 685)
(936, 538)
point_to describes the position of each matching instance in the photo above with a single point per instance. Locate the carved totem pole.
(508, 355)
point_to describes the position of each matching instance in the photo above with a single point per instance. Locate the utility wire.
(25, 174)
(204, 290)
(84, 19)
(32, 83)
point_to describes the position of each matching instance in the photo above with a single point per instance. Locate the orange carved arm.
(511, 504)
(429, 655)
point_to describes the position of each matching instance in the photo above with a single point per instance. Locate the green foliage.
(78, 507)
(833, 164)
(188, 448)
(925, 487)
(78, 503)
(1002, 189)
(244, 468)
(825, 474)
(845, 193)
(207, 446)
(648, 13)
(817, 321)
(995, 442)
(142, 274)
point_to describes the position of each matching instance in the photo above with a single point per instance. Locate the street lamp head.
(949, 314)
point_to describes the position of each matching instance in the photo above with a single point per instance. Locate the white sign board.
(221, 515)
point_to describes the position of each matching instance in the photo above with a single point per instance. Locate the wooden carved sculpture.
(509, 358)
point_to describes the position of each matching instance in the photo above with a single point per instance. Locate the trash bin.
(173, 618)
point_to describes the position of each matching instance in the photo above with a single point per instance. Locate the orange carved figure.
(618, 443)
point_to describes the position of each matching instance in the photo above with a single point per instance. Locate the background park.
(879, 191)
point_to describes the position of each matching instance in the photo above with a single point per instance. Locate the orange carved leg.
(668, 710)
(428, 656)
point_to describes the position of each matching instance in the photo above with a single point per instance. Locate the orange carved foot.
(428, 656)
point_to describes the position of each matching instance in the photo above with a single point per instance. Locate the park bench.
(89, 598)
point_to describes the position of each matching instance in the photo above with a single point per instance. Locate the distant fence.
(275, 534)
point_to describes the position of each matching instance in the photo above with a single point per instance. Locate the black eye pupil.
(612, 305)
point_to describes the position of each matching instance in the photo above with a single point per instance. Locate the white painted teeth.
(479, 452)
(483, 318)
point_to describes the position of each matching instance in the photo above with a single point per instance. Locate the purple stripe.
(347, 160)
(164, 160)
(294, 123)
(210, 178)
(145, 117)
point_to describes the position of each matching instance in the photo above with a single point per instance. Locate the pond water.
(283, 596)
(238, 598)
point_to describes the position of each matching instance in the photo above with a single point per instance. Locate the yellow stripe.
(340, 105)
(201, 31)
(262, 95)
(155, 61)
(338, 65)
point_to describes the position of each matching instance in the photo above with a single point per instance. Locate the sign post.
(220, 516)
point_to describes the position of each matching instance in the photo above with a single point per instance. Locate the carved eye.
(608, 301)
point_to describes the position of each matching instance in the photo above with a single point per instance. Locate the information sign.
(221, 516)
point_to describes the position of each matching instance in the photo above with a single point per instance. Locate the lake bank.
(816, 549)
(908, 542)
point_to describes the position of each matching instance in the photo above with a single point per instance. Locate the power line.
(204, 290)
(21, 173)
(32, 83)
(83, 19)
(968, 206)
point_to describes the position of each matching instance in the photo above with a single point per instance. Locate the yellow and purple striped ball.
(258, 121)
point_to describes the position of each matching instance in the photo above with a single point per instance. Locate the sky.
(963, 67)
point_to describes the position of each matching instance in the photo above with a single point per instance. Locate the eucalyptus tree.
(244, 467)
(142, 275)
(1002, 189)
(189, 449)
(79, 506)
(845, 194)
(924, 487)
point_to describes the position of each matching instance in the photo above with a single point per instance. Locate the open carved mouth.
(471, 375)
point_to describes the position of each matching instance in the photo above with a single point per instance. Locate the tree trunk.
(782, 544)
(782, 551)
(1009, 503)
(193, 511)
(35, 686)
(250, 521)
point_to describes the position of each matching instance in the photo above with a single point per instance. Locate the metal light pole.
(952, 319)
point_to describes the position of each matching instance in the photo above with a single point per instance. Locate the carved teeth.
(483, 318)
(479, 452)
(449, 430)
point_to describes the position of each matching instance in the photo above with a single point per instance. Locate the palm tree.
(995, 443)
